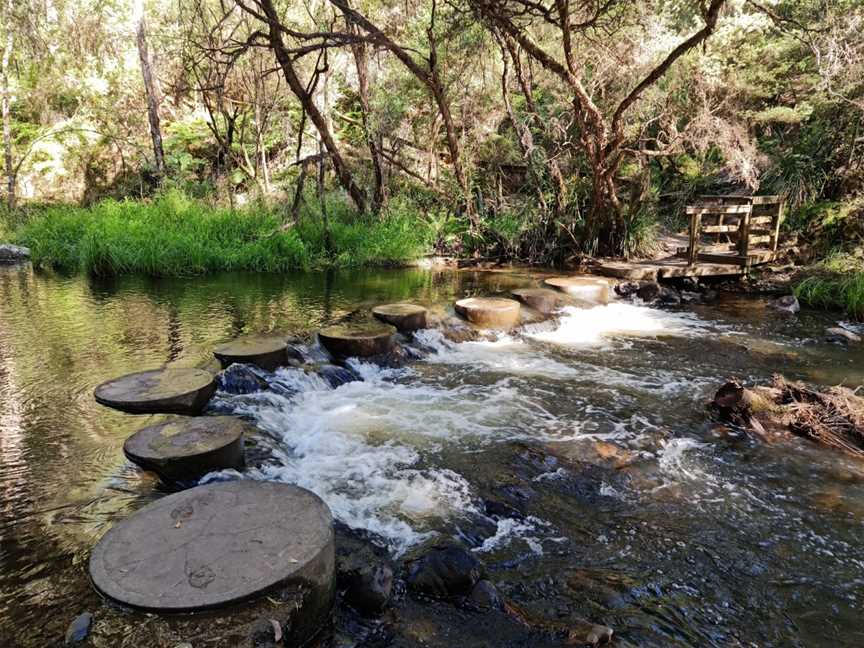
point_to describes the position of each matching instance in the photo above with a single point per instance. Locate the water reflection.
(702, 540)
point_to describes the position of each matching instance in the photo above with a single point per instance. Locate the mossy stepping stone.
(405, 317)
(167, 391)
(266, 352)
(584, 288)
(188, 448)
(358, 340)
(220, 544)
(542, 300)
(489, 312)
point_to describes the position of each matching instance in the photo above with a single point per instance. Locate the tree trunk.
(274, 34)
(373, 136)
(7, 108)
(152, 96)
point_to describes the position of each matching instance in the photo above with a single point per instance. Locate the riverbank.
(176, 236)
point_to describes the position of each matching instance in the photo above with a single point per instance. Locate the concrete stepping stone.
(405, 317)
(358, 340)
(188, 448)
(542, 300)
(489, 312)
(220, 544)
(266, 352)
(165, 391)
(590, 289)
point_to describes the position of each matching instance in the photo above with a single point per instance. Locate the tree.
(151, 92)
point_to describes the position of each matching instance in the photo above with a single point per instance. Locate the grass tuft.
(839, 284)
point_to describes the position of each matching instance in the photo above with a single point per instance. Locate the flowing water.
(628, 506)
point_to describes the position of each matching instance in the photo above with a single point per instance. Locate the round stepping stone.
(167, 391)
(219, 544)
(405, 317)
(266, 352)
(358, 340)
(540, 299)
(188, 448)
(489, 312)
(590, 289)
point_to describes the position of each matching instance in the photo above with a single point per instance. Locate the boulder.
(240, 379)
(405, 317)
(489, 312)
(543, 300)
(266, 352)
(485, 595)
(358, 340)
(337, 376)
(158, 391)
(369, 588)
(447, 570)
(13, 253)
(787, 303)
(627, 288)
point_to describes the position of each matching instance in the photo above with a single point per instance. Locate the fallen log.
(833, 417)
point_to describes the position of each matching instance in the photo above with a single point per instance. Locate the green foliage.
(176, 236)
(834, 291)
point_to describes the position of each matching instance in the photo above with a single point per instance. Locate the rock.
(669, 296)
(265, 633)
(13, 253)
(159, 391)
(841, 335)
(587, 288)
(587, 634)
(219, 544)
(337, 376)
(445, 571)
(358, 340)
(542, 300)
(405, 317)
(79, 629)
(787, 303)
(489, 312)
(369, 588)
(240, 379)
(649, 291)
(485, 595)
(627, 288)
(185, 449)
(688, 297)
(500, 510)
(266, 352)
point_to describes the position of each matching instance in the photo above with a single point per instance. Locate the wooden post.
(778, 216)
(695, 219)
(744, 235)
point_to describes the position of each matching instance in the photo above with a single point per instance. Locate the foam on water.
(594, 326)
(371, 449)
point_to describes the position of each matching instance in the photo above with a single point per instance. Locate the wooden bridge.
(727, 236)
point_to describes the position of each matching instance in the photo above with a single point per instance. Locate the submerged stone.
(337, 376)
(166, 391)
(265, 352)
(445, 571)
(489, 312)
(219, 544)
(188, 448)
(369, 588)
(358, 340)
(485, 595)
(79, 629)
(405, 317)
(787, 303)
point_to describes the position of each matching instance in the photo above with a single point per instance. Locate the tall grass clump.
(174, 236)
(839, 284)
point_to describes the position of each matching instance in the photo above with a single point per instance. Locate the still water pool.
(634, 509)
